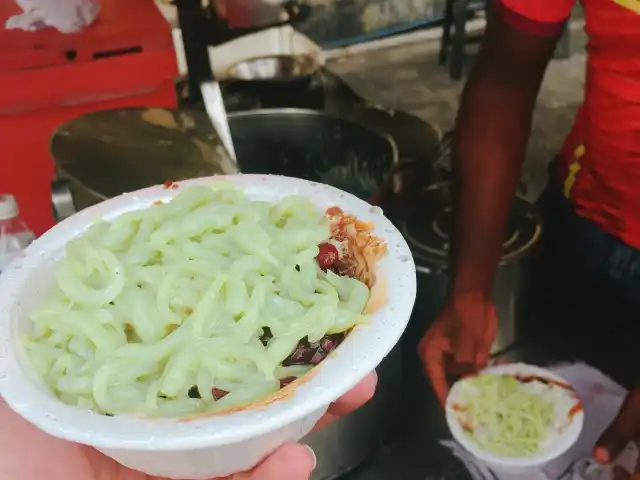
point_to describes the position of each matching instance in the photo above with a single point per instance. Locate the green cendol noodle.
(178, 295)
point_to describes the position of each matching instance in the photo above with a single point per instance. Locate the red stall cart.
(125, 59)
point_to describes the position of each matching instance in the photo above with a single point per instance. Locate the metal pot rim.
(433, 265)
(312, 59)
(305, 111)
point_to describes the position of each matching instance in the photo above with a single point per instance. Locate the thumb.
(623, 430)
(489, 336)
(465, 348)
(289, 462)
(470, 350)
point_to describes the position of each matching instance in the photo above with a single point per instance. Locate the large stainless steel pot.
(426, 227)
(105, 154)
(314, 146)
(108, 153)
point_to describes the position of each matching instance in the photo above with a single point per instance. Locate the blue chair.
(454, 33)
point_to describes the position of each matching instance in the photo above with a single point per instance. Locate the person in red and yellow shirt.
(593, 197)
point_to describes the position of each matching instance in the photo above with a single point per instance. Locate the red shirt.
(600, 161)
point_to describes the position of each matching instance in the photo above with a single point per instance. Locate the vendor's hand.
(30, 454)
(624, 429)
(459, 341)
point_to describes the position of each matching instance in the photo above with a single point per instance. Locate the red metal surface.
(43, 87)
(123, 25)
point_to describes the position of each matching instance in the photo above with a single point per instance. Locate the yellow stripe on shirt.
(633, 5)
(574, 168)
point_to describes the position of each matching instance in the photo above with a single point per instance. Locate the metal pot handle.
(61, 199)
(435, 158)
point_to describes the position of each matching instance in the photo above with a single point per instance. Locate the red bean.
(286, 381)
(218, 393)
(328, 256)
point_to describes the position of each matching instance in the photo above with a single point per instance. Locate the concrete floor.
(407, 77)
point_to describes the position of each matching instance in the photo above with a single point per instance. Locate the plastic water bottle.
(15, 236)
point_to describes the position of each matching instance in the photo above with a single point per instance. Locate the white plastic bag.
(66, 16)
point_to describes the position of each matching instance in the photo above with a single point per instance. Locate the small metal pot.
(274, 68)
(427, 227)
(280, 81)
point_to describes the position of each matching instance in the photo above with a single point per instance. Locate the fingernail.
(313, 456)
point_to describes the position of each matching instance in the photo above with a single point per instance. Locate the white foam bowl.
(223, 444)
(514, 464)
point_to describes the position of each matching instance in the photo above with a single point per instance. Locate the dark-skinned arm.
(493, 125)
